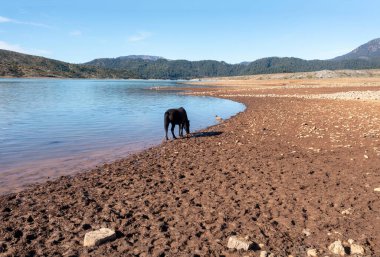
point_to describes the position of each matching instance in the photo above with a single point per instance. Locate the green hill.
(14, 64)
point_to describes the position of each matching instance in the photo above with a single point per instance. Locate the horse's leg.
(172, 129)
(166, 126)
(180, 131)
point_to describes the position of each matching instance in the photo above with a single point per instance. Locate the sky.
(78, 31)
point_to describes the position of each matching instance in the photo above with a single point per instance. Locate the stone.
(337, 248)
(356, 249)
(347, 211)
(263, 254)
(98, 237)
(235, 242)
(306, 232)
(377, 189)
(311, 252)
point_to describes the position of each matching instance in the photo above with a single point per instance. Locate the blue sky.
(232, 31)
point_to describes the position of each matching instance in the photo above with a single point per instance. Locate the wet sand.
(284, 166)
(19, 177)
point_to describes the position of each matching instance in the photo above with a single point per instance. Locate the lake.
(53, 127)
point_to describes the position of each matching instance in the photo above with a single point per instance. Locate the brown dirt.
(282, 166)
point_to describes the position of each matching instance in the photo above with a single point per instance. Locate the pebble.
(377, 189)
(98, 237)
(235, 242)
(311, 253)
(347, 211)
(337, 248)
(263, 254)
(306, 232)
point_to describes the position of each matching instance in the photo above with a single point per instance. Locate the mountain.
(14, 64)
(367, 51)
(183, 69)
(122, 61)
(142, 57)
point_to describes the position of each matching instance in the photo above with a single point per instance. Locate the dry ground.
(285, 165)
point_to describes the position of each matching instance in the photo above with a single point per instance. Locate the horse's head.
(187, 127)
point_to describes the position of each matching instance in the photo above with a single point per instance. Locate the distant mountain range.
(14, 64)
(367, 51)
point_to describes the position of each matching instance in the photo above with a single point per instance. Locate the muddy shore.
(289, 173)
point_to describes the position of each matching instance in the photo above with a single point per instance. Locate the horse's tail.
(166, 119)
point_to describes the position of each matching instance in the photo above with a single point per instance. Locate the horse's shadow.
(206, 134)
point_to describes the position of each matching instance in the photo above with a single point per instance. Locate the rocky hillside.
(367, 51)
(13, 64)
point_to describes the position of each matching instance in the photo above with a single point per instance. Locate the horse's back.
(176, 115)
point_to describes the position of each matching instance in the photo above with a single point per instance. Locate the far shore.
(297, 170)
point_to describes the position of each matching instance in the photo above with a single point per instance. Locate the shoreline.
(280, 167)
(30, 164)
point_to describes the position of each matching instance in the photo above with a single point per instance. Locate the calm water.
(54, 127)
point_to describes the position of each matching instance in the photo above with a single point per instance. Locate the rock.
(347, 211)
(366, 156)
(98, 237)
(377, 189)
(306, 232)
(263, 254)
(337, 248)
(311, 252)
(355, 248)
(238, 243)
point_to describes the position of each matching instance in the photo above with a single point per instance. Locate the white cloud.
(139, 36)
(17, 48)
(9, 20)
(10, 47)
(75, 33)
(4, 19)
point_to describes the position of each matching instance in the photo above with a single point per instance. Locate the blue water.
(49, 119)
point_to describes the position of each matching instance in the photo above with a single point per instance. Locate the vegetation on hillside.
(14, 64)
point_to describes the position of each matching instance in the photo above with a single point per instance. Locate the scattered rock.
(355, 248)
(98, 237)
(347, 211)
(263, 254)
(306, 232)
(235, 242)
(311, 252)
(337, 248)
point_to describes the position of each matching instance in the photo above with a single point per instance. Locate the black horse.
(176, 117)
